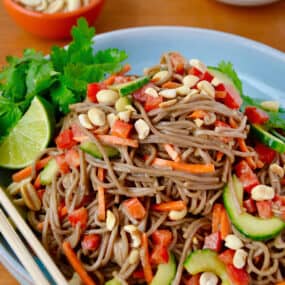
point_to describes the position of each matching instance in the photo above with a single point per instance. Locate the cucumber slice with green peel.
(165, 272)
(250, 226)
(207, 260)
(49, 172)
(268, 139)
(92, 149)
(113, 281)
(278, 135)
(129, 87)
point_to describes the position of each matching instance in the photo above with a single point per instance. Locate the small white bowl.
(248, 2)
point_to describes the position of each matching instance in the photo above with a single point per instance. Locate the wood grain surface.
(265, 24)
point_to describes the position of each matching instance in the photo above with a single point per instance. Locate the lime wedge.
(29, 137)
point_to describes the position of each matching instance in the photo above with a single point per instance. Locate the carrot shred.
(110, 80)
(114, 140)
(145, 259)
(126, 68)
(220, 94)
(40, 226)
(259, 163)
(219, 156)
(216, 217)
(37, 183)
(281, 283)
(170, 85)
(178, 205)
(187, 167)
(76, 264)
(26, 172)
(101, 197)
(174, 155)
(225, 224)
(198, 114)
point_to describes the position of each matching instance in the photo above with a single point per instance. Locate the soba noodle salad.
(167, 178)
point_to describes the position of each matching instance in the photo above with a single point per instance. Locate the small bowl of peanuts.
(52, 19)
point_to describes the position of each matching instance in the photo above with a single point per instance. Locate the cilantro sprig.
(61, 78)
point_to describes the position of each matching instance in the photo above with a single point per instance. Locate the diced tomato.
(121, 129)
(93, 89)
(72, 158)
(213, 241)
(62, 210)
(140, 94)
(79, 216)
(162, 237)
(178, 62)
(135, 208)
(159, 255)
(41, 193)
(65, 139)
(152, 103)
(62, 164)
(193, 280)
(195, 71)
(232, 99)
(227, 256)
(207, 76)
(246, 176)
(264, 209)
(255, 115)
(91, 242)
(249, 205)
(237, 276)
(138, 274)
(265, 153)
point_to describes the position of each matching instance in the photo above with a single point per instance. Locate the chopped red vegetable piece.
(62, 164)
(264, 209)
(265, 153)
(152, 102)
(232, 99)
(237, 276)
(213, 241)
(79, 216)
(65, 140)
(249, 205)
(91, 242)
(135, 208)
(121, 129)
(255, 115)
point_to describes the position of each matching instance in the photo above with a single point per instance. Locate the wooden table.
(265, 24)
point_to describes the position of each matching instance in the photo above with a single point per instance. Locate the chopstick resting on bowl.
(21, 251)
(31, 239)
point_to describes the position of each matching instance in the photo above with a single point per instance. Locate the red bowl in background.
(52, 26)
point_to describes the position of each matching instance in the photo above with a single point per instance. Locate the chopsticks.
(31, 239)
(21, 251)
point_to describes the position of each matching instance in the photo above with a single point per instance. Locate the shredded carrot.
(110, 80)
(178, 205)
(170, 85)
(62, 211)
(101, 197)
(174, 155)
(242, 145)
(26, 172)
(126, 68)
(216, 217)
(187, 167)
(198, 114)
(40, 226)
(37, 183)
(114, 140)
(259, 164)
(145, 259)
(76, 264)
(219, 156)
(220, 94)
(281, 283)
(225, 224)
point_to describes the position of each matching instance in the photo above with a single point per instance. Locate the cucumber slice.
(49, 172)
(252, 227)
(267, 138)
(129, 87)
(207, 260)
(165, 272)
(92, 149)
(113, 281)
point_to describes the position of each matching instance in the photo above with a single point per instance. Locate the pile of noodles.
(130, 175)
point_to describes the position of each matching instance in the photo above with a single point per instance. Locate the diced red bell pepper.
(265, 153)
(140, 94)
(193, 280)
(255, 115)
(135, 208)
(195, 71)
(213, 241)
(41, 193)
(93, 89)
(138, 274)
(227, 256)
(162, 237)
(178, 62)
(207, 76)
(232, 99)
(121, 129)
(79, 216)
(237, 276)
(159, 255)
(152, 102)
(246, 176)
(72, 158)
(264, 209)
(62, 210)
(249, 205)
(65, 140)
(62, 164)
(91, 242)
(219, 123)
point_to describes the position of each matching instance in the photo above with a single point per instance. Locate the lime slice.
(29, 137)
